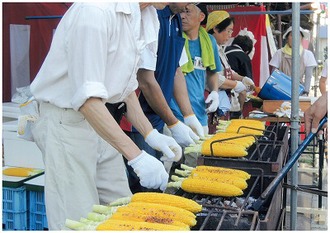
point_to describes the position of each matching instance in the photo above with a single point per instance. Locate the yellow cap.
(216, 17)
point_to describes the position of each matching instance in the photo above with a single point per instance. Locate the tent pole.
(295, 78)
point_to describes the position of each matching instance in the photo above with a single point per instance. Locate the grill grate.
(223, 213)
(268, 155)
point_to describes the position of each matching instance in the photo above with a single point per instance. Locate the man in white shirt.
(93, 60)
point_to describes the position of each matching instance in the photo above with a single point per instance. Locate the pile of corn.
(223, 145)
(20, 171)
(143, 211)
(209, 180)
(255, 127)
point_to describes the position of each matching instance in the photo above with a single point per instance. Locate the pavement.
(309, 216)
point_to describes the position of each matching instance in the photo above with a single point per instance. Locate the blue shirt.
(196, 80)
(170, 46)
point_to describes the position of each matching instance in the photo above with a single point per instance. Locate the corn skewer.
(220, 170)
(207, 187)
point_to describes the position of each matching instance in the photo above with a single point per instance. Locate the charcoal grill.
(268, 153)
(223, 213)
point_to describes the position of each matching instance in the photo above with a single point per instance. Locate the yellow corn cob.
(19, 171)
(223, 149)
(222, 170)
(167, 199)
(235, 124)
(222, 178)
(135, 216)
(120, 225)
(159, 210)
(208, 187)
(245, 141)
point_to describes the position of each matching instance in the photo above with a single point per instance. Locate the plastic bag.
(22, 95)
(29, 114)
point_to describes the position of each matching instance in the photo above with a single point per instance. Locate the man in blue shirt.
(159, 87)
(202, 67)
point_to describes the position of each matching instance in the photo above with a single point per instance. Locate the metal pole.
(317, 54)
(279, 28)
(295, 78)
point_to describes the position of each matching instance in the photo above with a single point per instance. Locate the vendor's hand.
(194, 124)
(150, 170)
(248, 82)
(212, 98)
(170, 148)
(239, 87)
(183, 134)
(314, 114)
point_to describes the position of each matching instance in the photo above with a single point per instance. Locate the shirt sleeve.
(276, 59)
(309, 59)
(87, 54)
(216, 55)
(324, 72)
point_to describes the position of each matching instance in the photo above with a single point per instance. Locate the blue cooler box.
(278, 87)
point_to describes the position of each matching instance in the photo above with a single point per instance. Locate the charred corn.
(207, 187)
(218, 170)
(120, 225)
(135, 216)
(159, 210)
(222, 178)
(220, 149)
(167, 199)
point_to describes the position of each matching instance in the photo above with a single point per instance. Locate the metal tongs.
(295, 156)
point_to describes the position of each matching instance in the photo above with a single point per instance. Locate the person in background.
(160, 79)
(324, 77)
(315, 113)
(220, 25)
(282, 60)
(202, 69)
(93, 60)
(238, 55)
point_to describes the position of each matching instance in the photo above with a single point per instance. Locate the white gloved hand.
(150, 170)
(194, 124)
(213, 97)
(170, 148)
(239, 87)
(247, 82)
(183, 134)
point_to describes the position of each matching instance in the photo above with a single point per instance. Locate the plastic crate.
(14, 208)
(14, 199)
(14, 220)
(37, 211)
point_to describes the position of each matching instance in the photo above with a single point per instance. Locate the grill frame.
(270, 168)
(266, 218)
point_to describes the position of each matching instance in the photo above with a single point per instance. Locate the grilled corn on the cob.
(167, 199)
(120, 225)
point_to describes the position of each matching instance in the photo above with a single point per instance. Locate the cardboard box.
(270, 106)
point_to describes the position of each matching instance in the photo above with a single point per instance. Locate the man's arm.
(323, 85)
(181, 93)
(154, 96)
(212, 81)
(96, 113)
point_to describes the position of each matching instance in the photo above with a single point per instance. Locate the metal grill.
(220, 213)
(267, 154)
(264, 160)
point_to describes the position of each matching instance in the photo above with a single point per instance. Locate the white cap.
(303, 31)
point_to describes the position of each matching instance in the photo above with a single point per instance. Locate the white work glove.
(170, 148)
(150, 170)
(248, 82)
(239, 87)
(183, 134)
(213, 98)
(194, 124)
